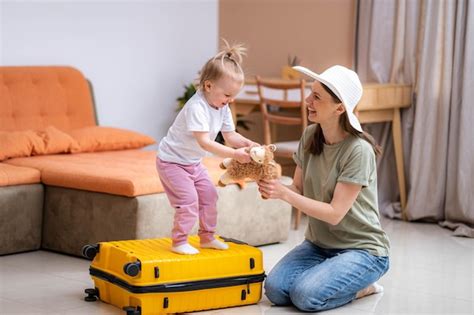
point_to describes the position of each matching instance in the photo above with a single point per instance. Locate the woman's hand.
(242, 155)
(272, 188)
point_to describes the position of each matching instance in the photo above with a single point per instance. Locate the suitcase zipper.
(182, 286)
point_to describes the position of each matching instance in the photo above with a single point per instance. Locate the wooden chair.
(282, 102)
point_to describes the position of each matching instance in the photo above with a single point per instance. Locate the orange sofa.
(66, 182)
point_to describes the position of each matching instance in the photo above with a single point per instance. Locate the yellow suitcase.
(144, 277)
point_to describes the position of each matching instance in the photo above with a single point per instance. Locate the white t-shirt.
(179, 145)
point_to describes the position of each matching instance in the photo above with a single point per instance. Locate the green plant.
(189, 91)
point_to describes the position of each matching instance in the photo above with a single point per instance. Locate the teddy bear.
(261, 166)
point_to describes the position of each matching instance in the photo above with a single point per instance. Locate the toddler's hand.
(241, 155)
(251, 145)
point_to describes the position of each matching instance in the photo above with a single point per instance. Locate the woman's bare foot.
(371, 289)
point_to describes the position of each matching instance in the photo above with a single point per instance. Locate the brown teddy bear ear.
(272, 147)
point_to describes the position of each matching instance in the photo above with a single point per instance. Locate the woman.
(335, 183)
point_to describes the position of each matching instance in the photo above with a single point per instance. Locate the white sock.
(184, 249)
(216, 244)
(378, 288)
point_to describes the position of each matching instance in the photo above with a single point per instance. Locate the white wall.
(138, 54)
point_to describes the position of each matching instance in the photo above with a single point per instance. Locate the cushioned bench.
(117, 195)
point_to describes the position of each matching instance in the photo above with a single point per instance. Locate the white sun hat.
(344, 83)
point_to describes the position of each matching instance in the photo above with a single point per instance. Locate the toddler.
(184, 178)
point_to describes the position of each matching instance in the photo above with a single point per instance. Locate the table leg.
(297, 218)
(233, 109)
(397, 143)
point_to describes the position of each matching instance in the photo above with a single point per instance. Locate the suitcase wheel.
(92, 295)
(89, 251)
(132, 310)
(132, 269)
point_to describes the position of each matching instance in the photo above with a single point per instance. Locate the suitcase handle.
(233, 240)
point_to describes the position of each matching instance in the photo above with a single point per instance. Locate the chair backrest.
(281, 102)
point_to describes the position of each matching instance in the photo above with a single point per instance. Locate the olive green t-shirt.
(351, 161)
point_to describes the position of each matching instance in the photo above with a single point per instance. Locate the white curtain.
(428, 44)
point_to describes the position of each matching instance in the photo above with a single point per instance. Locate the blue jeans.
(316, 279)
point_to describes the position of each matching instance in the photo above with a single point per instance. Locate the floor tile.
(411, 302)
(12, 307)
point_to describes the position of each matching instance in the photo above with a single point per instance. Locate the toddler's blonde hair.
(225, 63)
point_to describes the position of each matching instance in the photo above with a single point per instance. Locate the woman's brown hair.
(316, 145)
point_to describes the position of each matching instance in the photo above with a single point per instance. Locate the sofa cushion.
(57, 141)
(37, 97)
(99, 138)
(126, 173)
(19, 144)
(11, 175)
(35, 142)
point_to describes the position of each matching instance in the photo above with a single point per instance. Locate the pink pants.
(192, 194)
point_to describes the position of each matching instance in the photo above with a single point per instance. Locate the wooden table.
(379, 103)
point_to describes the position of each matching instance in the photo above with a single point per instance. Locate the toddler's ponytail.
(224, 63)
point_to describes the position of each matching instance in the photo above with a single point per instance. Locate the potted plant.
(287, 72)
(189, 91)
